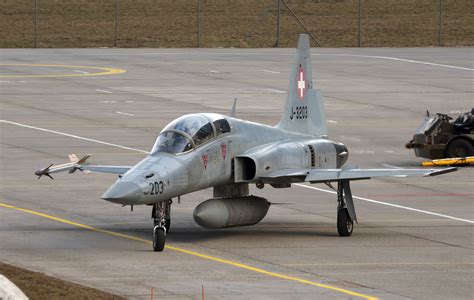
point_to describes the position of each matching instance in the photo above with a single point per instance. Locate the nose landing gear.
(161, 214)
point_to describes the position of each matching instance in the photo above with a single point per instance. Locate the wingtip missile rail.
(72, 166)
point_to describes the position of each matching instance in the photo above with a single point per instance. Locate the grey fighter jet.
(203, 150)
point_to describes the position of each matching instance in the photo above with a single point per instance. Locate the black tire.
(168, 225)
(460, 148)
(159, 237)
(344, 223)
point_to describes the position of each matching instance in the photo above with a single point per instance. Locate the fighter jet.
(204, 150)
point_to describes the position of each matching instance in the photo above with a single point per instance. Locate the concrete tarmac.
(415, 235)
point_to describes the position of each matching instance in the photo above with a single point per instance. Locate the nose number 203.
(156, 188)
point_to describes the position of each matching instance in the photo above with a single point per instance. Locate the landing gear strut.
(161, 214)
(345, 209)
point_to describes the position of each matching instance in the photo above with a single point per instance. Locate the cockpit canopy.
(190, 131)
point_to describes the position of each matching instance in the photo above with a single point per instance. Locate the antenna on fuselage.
(232, 112)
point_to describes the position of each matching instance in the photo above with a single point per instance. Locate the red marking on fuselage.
(223, 150)
(205, 159)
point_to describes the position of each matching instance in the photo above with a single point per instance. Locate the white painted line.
(400, 59)
(103, 91)
(284, 54)
(73, 136)
(108, 101)
(389, 204)
(122, 113)
(129, 101)
(389, 151)
(272, 72)
(23, 81)
(297, 184)
(83, 72)
(391, 166)
(276, 91)
(332, 121)
(4, 81)
(361, 151)
(214, 71)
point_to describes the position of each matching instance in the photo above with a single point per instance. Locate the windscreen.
(189, 124)
(172, 142)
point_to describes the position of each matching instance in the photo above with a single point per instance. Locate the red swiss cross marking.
(301, 83)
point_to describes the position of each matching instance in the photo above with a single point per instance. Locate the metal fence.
(237, 23)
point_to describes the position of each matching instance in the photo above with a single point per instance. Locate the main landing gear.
(345, 209)
(161, 214)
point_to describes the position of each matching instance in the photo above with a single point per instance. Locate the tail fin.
(304, 110)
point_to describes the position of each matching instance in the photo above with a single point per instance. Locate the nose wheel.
(161, 214)
(159, 238)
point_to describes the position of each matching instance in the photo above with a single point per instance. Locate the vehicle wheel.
(460, 148)
(159, 237)
(168, 225)
(344, 223)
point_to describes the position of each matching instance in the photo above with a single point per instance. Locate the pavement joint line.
(296, 184)
(194, 253)
(105, 71)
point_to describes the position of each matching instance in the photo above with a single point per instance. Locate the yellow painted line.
(104, 71)
(197, 254)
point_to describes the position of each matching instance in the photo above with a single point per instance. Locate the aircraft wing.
(81, 165)
(347, 173)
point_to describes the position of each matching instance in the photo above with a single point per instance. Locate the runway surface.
(414, 241)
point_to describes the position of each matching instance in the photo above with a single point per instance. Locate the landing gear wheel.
(344, 223)
(460, 148)
(159, 236)
(161, 214)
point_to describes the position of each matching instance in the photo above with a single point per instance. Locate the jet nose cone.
(124, 192)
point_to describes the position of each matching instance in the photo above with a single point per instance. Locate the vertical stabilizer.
(303, 110)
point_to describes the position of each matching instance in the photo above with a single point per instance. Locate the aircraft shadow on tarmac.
(264, 231)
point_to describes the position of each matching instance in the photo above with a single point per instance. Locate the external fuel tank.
(231, 212)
